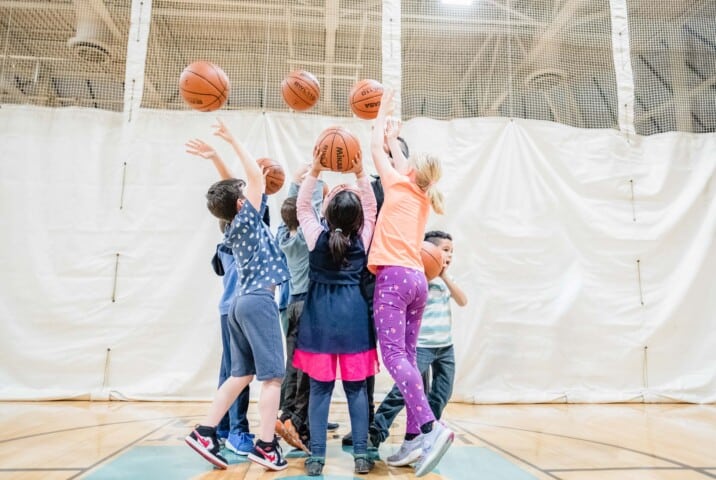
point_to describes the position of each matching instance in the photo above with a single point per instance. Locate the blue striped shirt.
(436, 327)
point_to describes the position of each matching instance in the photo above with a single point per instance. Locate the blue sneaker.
(240, 443)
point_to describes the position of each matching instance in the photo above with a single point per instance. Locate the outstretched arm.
(307, 216)
(380, 158)
(392, 130)
(255, 180)
(202, 149)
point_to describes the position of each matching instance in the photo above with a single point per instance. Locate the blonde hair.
(428, 170)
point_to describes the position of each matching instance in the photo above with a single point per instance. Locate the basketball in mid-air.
(432, 257)
(300, 90)
(275, 175)
(204, 86)
(365, 97)
(337, 147)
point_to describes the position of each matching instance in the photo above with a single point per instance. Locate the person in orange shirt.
(401, 288)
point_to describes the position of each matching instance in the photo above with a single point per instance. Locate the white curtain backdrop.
(588, 256)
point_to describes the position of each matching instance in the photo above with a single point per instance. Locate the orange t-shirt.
(401, 224)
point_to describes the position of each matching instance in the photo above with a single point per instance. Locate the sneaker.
(435, 444)
(409, 452)
(363, 464)
(330, 426)
(314, 466)
(268, 455)
(347, 440)
(203, 440)
(240, 443)
(289, 433)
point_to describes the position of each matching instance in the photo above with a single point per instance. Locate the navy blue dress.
(335, 316)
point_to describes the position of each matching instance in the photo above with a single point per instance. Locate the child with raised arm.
(293, 423)
(401, 288)
(255, 331)
(234, 426)
(335, 327)
(435, 350)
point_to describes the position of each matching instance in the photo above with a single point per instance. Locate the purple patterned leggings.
(398, 304)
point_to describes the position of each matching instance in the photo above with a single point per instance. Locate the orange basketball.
(365, 96)
(275, 176)
(337, 148)
(204, 86)
(300, 90)
(432, 258)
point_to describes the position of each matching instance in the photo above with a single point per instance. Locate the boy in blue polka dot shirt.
(254, 327)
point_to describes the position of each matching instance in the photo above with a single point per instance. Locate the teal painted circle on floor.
(461, 462)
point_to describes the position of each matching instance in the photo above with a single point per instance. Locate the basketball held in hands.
(275, 176)
(337, 147)
(432, 257)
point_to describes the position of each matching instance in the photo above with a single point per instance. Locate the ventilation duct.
(92, 34)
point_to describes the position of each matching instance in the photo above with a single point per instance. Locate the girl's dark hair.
(344, 215)
(222, 196)
(288, 213)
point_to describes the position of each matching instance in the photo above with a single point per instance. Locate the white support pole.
(391, 49)
(622, 66)
(137, 42)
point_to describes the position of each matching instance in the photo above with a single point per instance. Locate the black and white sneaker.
(268, 455)
(203, 440)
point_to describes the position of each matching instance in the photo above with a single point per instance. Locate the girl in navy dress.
(335, 328)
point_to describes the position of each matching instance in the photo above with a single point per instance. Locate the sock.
(266, 446)
(411, 436)
(426, 427)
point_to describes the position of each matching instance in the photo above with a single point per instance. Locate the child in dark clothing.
(335, 326)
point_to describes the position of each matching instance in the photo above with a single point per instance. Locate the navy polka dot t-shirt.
(259, 260)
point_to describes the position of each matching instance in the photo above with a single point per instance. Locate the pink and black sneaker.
(203, 440)
(268, 455)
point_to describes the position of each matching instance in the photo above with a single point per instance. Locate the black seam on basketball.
(431, 256)
(207, 81)
(309, 81)
(220, 75)
(330, 151)
(288, 84)
(200, 93)
(205, 108)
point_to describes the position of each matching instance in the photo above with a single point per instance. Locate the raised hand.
(222, 131)
(301, 173)
(356, 166)
(392, 128)
(316, 166)
(200, 149)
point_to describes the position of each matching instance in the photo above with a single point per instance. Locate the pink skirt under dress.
(322, 366)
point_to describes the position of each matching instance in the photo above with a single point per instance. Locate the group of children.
(355, 277)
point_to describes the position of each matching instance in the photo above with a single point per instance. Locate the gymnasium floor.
(144, 440)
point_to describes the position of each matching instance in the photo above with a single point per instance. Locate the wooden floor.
(135, 440)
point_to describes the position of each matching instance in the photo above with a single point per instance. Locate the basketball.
(364, 97)
(275, 176)
(300, 90)
(432, 258)
(337, 147)
(204, 86)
